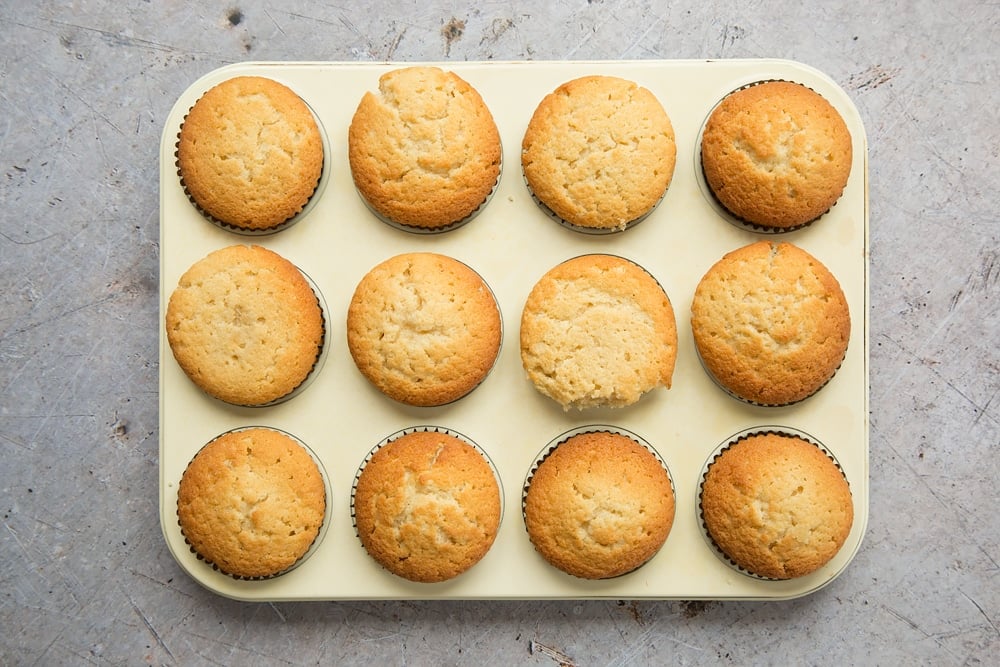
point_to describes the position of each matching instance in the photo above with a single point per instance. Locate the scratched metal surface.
(86, 577)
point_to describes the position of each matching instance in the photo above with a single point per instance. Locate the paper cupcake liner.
(713, 200)
(320, 534)
(321, 354)
(583, 229)
(426, 428)
(580, 430)
(440, 229)
(297, 217)
(758, 404)
(718, 451)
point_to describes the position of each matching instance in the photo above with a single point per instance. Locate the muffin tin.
(511, 243)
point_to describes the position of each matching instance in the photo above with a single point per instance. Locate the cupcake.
(427, 506)
(250, 154)
(599, 153)
(245, 325)
(251, 503)
(423, 328)
(424, 151)
(776, 155)
(598, 505)
(776, 505)
(770, 323)
(598, 331)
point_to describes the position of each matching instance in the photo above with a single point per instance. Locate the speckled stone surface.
(85, 573)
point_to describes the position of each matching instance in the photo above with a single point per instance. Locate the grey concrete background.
(84, 572)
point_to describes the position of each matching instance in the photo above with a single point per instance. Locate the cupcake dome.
(776, 154)
(424, 151)
(770, 323)
(423, 328)
(599, 152)
(427, 506)
(251, 502)
(245, 325)
(250, 153)
(776, 505)
(599, 505)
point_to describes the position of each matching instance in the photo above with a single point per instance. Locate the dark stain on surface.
(871, 78)
(694, 608)
(235, 17)
(452, 32)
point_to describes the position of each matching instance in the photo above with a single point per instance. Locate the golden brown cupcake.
(770, 323)
(599, 505)
(776, 505)
(776, 154)
(250, 153)
(423, 328)
(427, 506)
(245, 325)
(251, 502)
(598, 331)
(424, 150)
(599, 152)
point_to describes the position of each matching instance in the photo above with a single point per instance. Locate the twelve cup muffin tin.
(511, 243)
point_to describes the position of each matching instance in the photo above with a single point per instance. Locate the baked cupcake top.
(598, 331)
(427, 506)
(251, 502)
(599, 152)
(245, 325)
(423, 328)
(770, 323)
(776, 154)
(599, 505)
(250, 153)
(776, 505)
(425, 150)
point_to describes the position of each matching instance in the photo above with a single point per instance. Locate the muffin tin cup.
(321, 184)
(341, 415)
(709, 194)
(726, 444)
(320, 534)
(441, 229)
(594, 428)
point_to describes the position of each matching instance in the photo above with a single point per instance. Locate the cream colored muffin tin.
(511, 243)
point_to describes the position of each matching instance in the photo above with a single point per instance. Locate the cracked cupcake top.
(427, 506)
(250, 153)
(599, 152)
(424, 151)
(423, 328)
(251, 502)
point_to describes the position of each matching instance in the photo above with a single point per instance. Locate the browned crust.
(251, 502)
(776, 154)
(427, 506)
(424, 151)
(250, 153)
(423, 328)
(777, 506)
(600, 505)
(770, 323)
(599, 152)
(244, 325)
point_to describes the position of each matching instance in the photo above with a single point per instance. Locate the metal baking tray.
(511, 243)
